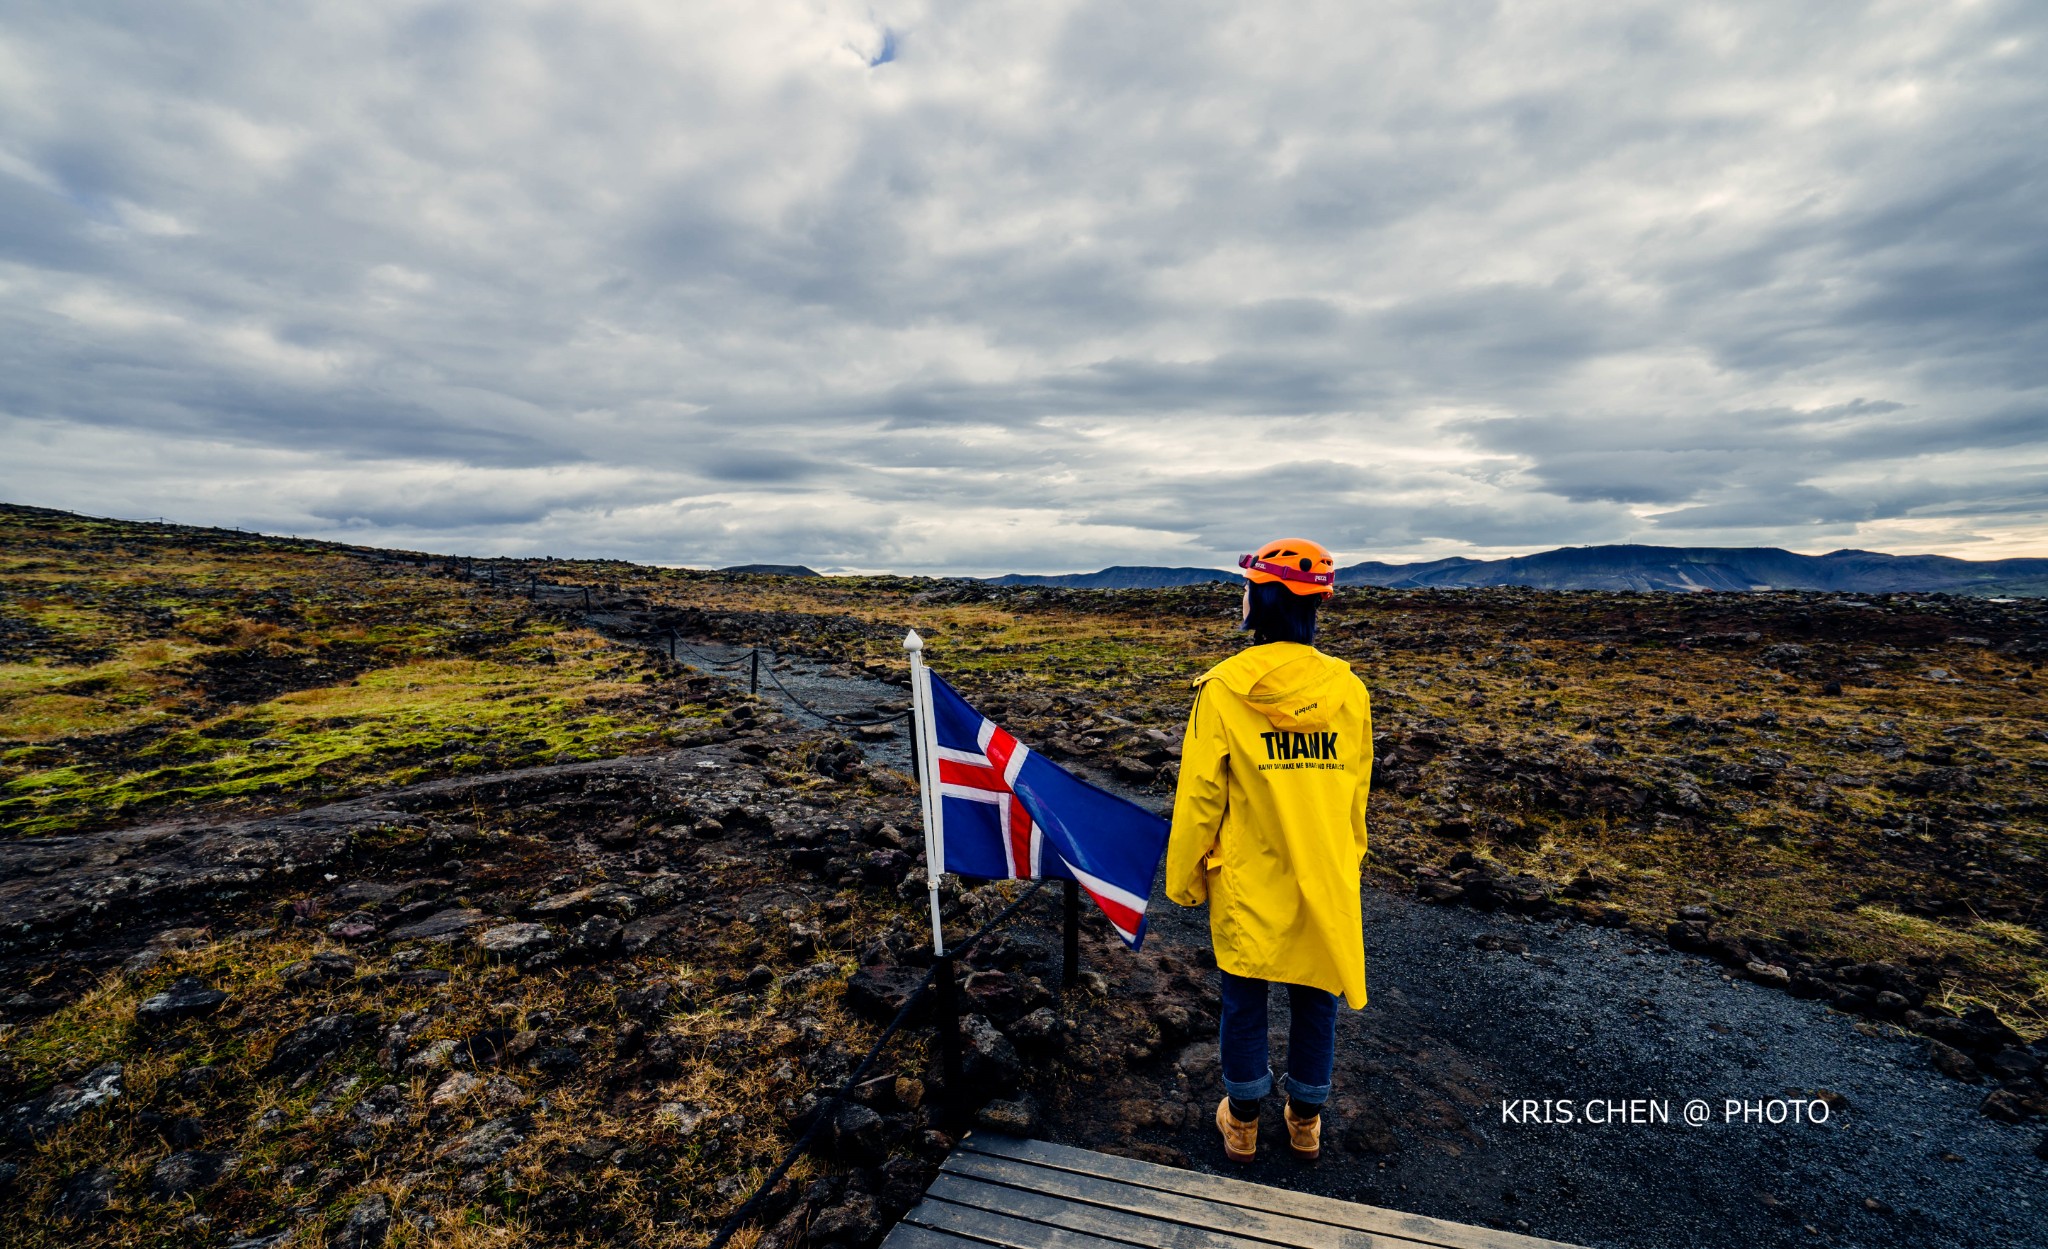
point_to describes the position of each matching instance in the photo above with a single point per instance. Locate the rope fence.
(675, 644)
(751, 660)
(827, 718)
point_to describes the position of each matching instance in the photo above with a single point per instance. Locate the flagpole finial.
(912, 642)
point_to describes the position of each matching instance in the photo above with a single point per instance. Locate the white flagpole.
(930, 804)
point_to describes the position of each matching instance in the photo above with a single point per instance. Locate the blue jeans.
(1311, 1041)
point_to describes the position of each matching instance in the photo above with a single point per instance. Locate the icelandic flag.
(1006, 811)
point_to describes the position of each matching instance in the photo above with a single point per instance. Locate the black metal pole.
(671, 645)
(1070, 944)
(532, 584)
(754, 672)
(586, 598)
(949, 1045)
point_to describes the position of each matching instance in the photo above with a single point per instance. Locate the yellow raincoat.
(1269, 817)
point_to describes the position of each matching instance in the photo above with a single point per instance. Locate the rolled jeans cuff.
(1306, 1094)
(1252, 1090)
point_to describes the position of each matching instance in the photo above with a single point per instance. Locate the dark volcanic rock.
(486, 1045)
(1687, 935)
(810, 858)
(185, 1132)
(606, 896)
(36, 1118)
(316, 1041)
(1014, 1118)
(996, 994)
(184, 1172)
(357, 893)
(449, 923)
(367, 1225)
(2013, 1106)
(876, 993)
(646, 1003)
(1437, 889)
(1133, 771)
(989, 1061)
(489, 1142)
(357, 926)
(197, 1081)
(1038, 1028)
(555, 1060)
(1488, 889)
(515, 941)
(2014, 1063)
(854, 1221)
(1952, 1062)
(642, 932)
(858, 1135)
(885, 867)
(596, 937)
(85, 1194)
(1977, 1031)
(1934, 781)
(325, 967)
(188, 997)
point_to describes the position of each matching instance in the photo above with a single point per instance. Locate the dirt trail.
(822, 686)
(1470, 1010)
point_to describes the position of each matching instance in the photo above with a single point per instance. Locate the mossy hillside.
(389, 726)
(144, 672)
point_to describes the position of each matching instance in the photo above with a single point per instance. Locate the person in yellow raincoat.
(1269, 830)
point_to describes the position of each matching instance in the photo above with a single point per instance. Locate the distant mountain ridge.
(1632, 567)
(772, 570)
(1121, 577)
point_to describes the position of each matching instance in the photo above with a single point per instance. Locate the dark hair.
(1281, 615)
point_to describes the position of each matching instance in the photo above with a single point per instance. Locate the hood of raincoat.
(1290, 684)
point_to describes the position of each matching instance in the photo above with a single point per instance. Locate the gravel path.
(824, 687)
(1456, 1029)
(1453, 1030)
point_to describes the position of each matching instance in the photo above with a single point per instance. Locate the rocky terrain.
(553, 948)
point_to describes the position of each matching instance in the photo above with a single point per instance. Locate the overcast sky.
(1031, 287)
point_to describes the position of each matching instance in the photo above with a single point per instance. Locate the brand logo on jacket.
(1291, 746)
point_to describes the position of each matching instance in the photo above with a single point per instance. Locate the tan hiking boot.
(1304, 1136)
(1240, 1137)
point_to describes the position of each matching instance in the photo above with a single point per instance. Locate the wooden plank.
(912, 1236)
(1262, 1228)
(1013, 1231)
(1051, 1210)
(1259, 1198)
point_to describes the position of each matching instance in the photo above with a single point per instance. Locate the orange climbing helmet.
(1302, 566)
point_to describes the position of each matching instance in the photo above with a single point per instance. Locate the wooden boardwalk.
(997, 1190)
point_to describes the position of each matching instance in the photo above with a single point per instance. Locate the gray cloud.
(1034, 287)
